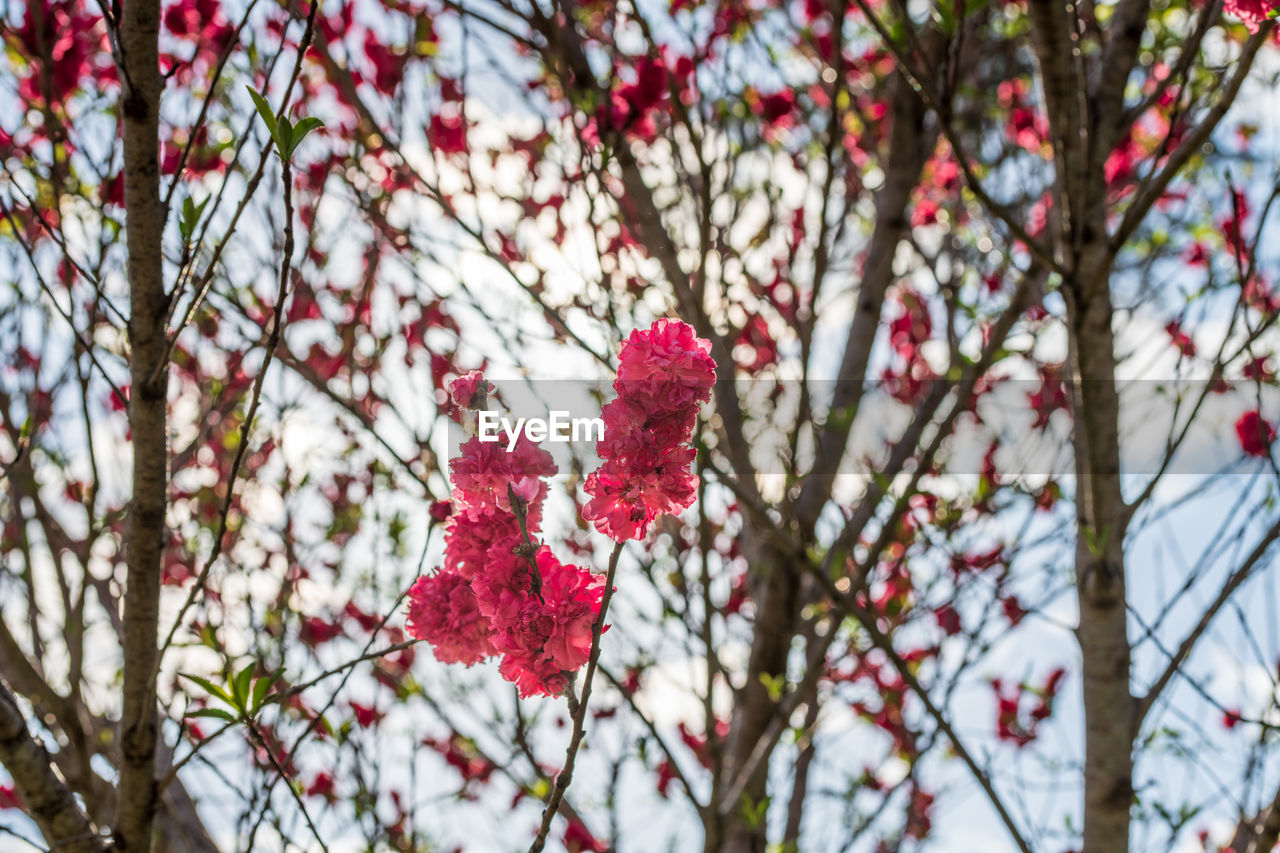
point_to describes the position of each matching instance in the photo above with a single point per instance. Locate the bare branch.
(46, 797)
(1233, 582)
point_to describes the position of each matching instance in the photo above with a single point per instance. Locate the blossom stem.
(520, 510)
(565, 776)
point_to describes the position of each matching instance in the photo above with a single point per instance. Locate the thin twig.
(273, 340)
(565, 776)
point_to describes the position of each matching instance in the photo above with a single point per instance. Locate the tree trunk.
(1102, 520)
(776, 596)
(144, 539)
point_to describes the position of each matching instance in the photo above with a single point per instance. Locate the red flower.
(578, 840)
(625, 499)
(366, 621)
(776, 105)
(9, 798)
(1050, 397)
(1181, 340)
(492, 597)
(440, 511)
(668, 357)
(365, 715)
(462, 756)
(503, 582)
(315, 631)
(948, 619)
(448, 133)
(322, 786)
(1255, 433)
(919, 819)
(388, 66)
(1010, 725)
(484, 469)
(757, 347)
(471, 532)
(1013, 610)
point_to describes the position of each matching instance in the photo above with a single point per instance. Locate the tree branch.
(565, 776)
(1234, 581)
(45, 796)
(1154, 188)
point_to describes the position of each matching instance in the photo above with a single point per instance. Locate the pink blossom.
(469, 391)
(667, 357)
(440, 511)
(664, 374)
(1255, 433)
(1253, 12)
(365, 715)
(504, 583)
(578, 839)
(484, 469)
(448, 133)
(491, 597)
(632, 428)
(322, 786)
(626, 499)
(470, 534)
(443, 611)
(9, 798)
(314, 631)
(551, 637)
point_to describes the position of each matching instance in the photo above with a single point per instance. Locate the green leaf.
(191, 213)
(260, 688)
(302, 128)
(209, 687)
(264, 110)
(240, 688)
(1095, 543)
(188, 213)
(284, 137)
(753, 813)
(217, 713)
(775, 684)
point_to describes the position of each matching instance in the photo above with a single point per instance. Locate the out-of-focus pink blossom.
(1256, 434)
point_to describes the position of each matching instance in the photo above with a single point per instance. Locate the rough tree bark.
(144, 542)
(1084, 126)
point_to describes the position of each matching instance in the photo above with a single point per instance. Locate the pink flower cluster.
(499, 592)
(502, 593)
(664, 374)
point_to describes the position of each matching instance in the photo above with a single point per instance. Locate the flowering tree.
(936, 493)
